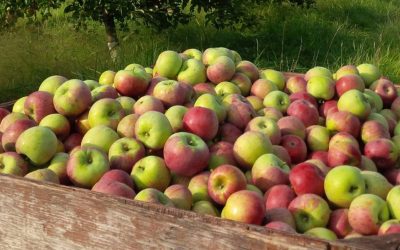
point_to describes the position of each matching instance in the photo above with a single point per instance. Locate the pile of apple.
(209, 132)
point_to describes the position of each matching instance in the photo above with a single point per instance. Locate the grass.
(331, 34)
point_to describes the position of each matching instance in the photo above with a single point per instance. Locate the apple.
(239, 110)
(38, 105)
(255, 102)
(296, 148)
(202, 122)
(282, 153)
(114, 188)
(321, 156)
(353, 234)
(339, 222)
(275, 77)
(127, 104)
(211, 54)
(72, 141)
(296, 84)
(38, 144)
(229, 132)
(180, 196)
(101, 137)
(367, 212)
(186, 154)
(383, 152)
(327, 107)
(266, 126)
(225, 88)
(386, 90)
(374, 100)
(221, 153)
(193, 53)
(205, 207)
(317, 71)
(43, 174)
(58, 165)
(198, 186)
(304, 96)
(92, 84)
(118, 176)
(18, 106)
(343, 121)
(107, 77)
(153, 129)
(395, 107)
(355, 102)
(153, 195)
(379, 118)
(321, 87)
(151, 172)
(280, 214)
(104, 91)
(192, 72)
(343, 150)
(51, 83)
(280, 226)
(393, 202)
(133, 67)
(249, 69)
(376, 183)
(277, 99)
(317, 138)
(346, 70)
(72, 98)
(369, 73)
(222, 69)
(268, 170)
(82, 123)
(308, 216)
(343, 184)
(126, 127)
(170, 93)
(153, 82)
(13, 131)
(373, 130)
(306, 178)
(168, 64)
(278, 196)
(244, 206)
(148, 103)
(243, 82)
(59, 124)
(367, 164)
(392, 175)
(389, 227)
(390, 117)
(106, 112)
(305, 111)
(3, 113)
(347, 82)
(203, 88)
(212, 102)
(12, 163)
(291, 125)
(262, 87)
(321, 233)
(124, 153)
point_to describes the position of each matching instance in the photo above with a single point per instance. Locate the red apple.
(38, 105)
(343, 121)
(72, 141)
(229, 132)
(202, 122)
(348, 82)
(327, 107)
(339, 222)
(148, 103)
(296, 84)
(303, 96)
(221, 153)
(131, 83)
(386, 90)
(296, 148)
(305, 111)
(13, 131)
(372, 130)
(307, 178)
(383, 152)
(119, 176)
(279, 196)
(291, 125)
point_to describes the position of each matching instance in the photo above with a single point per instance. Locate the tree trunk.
(112, 38)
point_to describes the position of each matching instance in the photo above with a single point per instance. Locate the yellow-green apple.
(304, 96)
(374, 100)
(13, 131)
(211, 54)
(38, 144)
(43, 174)
(243, 82)
(201, 121)
(193, 53)
(58, 165)
(278, 196)
(280, 226)
(249, 146)
(60, 147)
(153, 83)
(390, 117)
(104, 91)
(343, 121)
(367, 212)
(262, 87)
(198, 186)
(236, 57)
(168, 64)
(277, 99)
(282, 153)
(212, 102)
(327, 107)
(170, 93)
(367, 164)
(389, 227)
(369, 73)
(107, 77)
(393, 201)
(386, 90)
(305, 111)
(225, 88)
(317, 71)
(343, 150)
(239, 110)
(255, 102)
(376, 183)
(12, 163)
(355, 102)
(118, 175)
(348, 82)
(92, 84)
(221, 69)
(126, 103)
(339, 222)
(38, 105)
(291, 125)
(266, 126)
(295, 84)
(306, 178)
(224, 181)
(346, 70)
(133, 66)
(343, 184)
(72, 141)
(124, 153)
(244, 206)
(321, 87)
(153, 129)
(379, 118)
(317, 138)
(229, 132)
(249, 69)
(58, 123)
(309, 211)
(82, 123)
(114, 188)
(3, 113)
(72, 98)
(280, 214)
(205, 207)
(192, 72)
(296, 148)
(321, 233)
(269, 170)
(126, 127)
(151, 172)
(153, 195)
(106, 112)
(101, 137)
(148, 103)
(51, 83)
(203, 88)
(275, 77)
(221, 153)
(18, 106)
(271, 113)
(186, 154)
(86, 165)
(180, 196)
(175, 116)
(372, 130)
(383, 152)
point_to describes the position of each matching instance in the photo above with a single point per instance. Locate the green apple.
(59, 166)
(393, 201)
(321, 87)
(255, 102)
(107, 77)
(346, 70)
(369, 73)
(51, 83)
(212, 102)
(376, 183)
(92, 84)
(124, 153)
(211, 54)
(322, 233)
(224, 89)
(198, 186)
(192, 72)
(175, 116)
(180, 196)
(274, 76)
(374, 100)
(151, 172)
(236, 57)
(38, 144)
(133, 66)
(126, 103)
(205, 207)
(13, 163)
(355, 102)
(379, 118)
(153, 195)
(193, 53)
(317, 138)
(267, 126)
(168, 64)
(43, 174)
(343, 184)
(277, 99)
(317, 71)
(18, 106)
(59, 124)
(106, 112)
(101, 137)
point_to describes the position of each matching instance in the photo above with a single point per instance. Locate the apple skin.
(107, 77)
(18, 106)
(376, 183)
(282, 153)
(291, 125)
(296, 148)
(317, 138)
(124, 153)
(268, 170)
(342, 152)
(339, 222)
(229, 132)
(296, 84)
(12, 163)
(175, 116)
(148, 103)
(51, 83)
(202, 122)
(275, 77)
(38, 105)
(255, 102)
(266, 126)
(126, 127)
(198, 186)
(13, 131)
(170, 93)
(368, 164)
(203, 88)
(321, 233)
(327, 107)
(393, 201)
(193, 53)
(205, 207)
(367, 212)
(224, 181)
(306, 178)
(106, 112)
(317, 71)
(278, 196)
(10, 119)
(151, 172)
(153, 195)
(249, 69)
(192, 72)
(58, 165)
(393, 176)
(280, 214)
(101, 137)
(343, 184)
(239, 110)
(153, 129)
(390, 117)
(374, 100)
(304, 96)
(221, 153)
(38, 144)
(114, 188)
(104, 91)
(346, 70)
(226, 88)
(244, 206)
(82, 123)
(212, 102)
(221, 69)
(168, 64)
(320, 156)
(280, 226)
(369, 73)
(180, 196)
(383, 152)
(343, 121)
(211, 54)
(347, 82)
(321, 87)
(58, 123)
(372, 130)
(243, 82)
(72, 98)
(43, 174)
(72, 141)
(309, 211)
(249, 146)
(389, 227)
(277, 99)
(355, 102)
(305, 111)
(262, 87)
(92, 84)
(386, 90)
(3, 113)
(395, 107)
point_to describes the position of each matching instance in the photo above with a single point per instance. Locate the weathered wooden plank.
(386, 242)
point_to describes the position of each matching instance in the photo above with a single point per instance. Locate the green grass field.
(331, 34)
